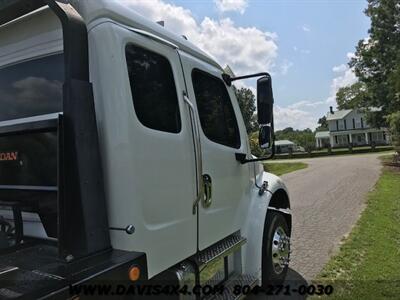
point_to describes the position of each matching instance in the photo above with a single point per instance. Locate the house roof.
(322, 134)
(283, 143)
(338, 115)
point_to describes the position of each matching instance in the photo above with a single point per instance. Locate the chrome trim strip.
(53, 116)
(138, 31)
(32, 188)
(48, 275)
(152, 36)
(8, 269)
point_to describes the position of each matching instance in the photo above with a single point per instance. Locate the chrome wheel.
(280, 250)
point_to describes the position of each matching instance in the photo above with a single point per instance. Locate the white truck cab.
(121, 139)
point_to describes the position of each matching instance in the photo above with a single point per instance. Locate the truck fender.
(275, 198)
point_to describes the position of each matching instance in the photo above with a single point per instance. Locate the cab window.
(153, 89)
(216, 113)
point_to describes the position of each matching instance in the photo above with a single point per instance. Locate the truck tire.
(276, 249)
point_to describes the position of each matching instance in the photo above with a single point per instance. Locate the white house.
(322, 139)
(350, 127)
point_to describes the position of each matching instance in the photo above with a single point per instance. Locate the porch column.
(366, 138)
(332, 140)
(386, 137)
(350, 139)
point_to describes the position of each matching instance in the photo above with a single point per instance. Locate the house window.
(216, 113)
(337, 124)
(358, 123)
(345, 124)
(362, 123)
(342, 139)
(341, 125)
(354, 124)
(153, 89)
(377, 136)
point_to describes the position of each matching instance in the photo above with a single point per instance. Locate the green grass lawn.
(283, 168)
(368, 263)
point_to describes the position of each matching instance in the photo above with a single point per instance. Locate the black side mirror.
(265, 115)
(265, 100)
(265, 106)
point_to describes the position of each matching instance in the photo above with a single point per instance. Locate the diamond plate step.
(221, 249)
(229, 287)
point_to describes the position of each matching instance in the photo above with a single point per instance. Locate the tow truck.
(125, 159)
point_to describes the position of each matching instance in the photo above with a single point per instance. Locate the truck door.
(147, 144)
(221, 135)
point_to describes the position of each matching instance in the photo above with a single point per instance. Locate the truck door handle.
(198, 155)
(207, 199)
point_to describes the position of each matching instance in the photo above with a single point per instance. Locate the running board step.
(229, 287)
(221, 249)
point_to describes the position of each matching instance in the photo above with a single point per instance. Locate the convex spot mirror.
(265, 137)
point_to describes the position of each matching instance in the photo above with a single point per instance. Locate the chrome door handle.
(198, 156)
(207, 199)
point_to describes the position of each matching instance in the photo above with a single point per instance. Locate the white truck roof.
(117, 11)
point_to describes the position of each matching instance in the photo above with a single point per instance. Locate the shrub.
(394, 126)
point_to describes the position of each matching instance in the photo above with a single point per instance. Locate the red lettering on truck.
(8, 156)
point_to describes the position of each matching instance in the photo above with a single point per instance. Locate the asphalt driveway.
(327, 199)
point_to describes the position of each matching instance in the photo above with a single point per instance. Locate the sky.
(304, 44)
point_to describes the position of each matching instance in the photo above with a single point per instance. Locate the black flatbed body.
(36, 272)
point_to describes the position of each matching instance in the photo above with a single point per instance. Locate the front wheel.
(276, 249)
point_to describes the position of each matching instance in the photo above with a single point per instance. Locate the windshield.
(31, 88)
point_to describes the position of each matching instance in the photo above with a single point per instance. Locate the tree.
(254, 145)
(323, 124)
(353, 96)
(304, 138)
(377, 63)
(247, 103)
(288, 130)
(377, 66)
(394, 81)
(394, 125)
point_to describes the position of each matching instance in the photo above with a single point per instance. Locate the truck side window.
(153, 89)
(32, 88)
(217, 116)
